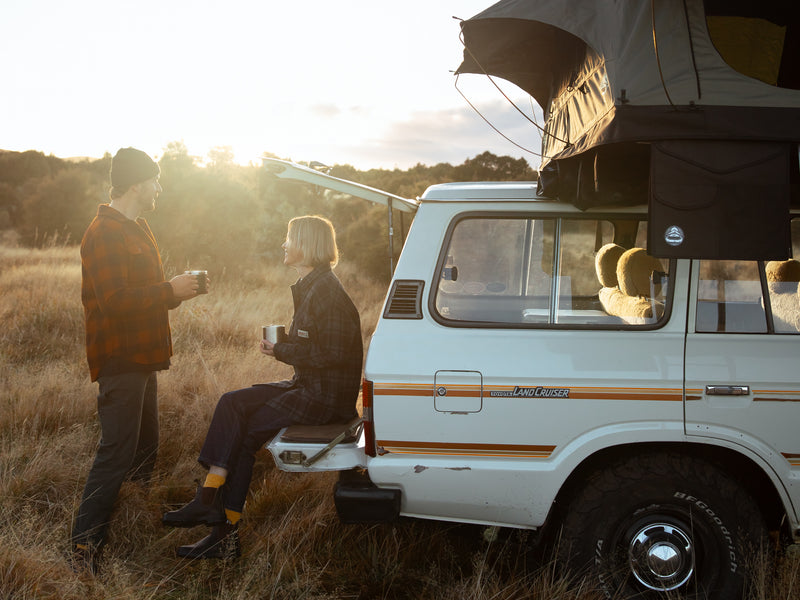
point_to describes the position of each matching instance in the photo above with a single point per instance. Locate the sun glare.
(295, 79)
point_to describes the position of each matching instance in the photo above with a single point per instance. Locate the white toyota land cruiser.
(535, 368)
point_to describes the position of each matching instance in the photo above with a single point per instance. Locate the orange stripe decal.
(575, 393)
(550, 392)
(466, 449)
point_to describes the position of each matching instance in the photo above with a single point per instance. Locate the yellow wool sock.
(214, 481)
(233, 516)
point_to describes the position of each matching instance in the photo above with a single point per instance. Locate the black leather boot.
(205, 509)
(222, 542)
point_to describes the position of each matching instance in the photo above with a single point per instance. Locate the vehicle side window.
(546, 271)
(730, 296)
(495, 269)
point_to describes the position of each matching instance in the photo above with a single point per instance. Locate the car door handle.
(727, 390)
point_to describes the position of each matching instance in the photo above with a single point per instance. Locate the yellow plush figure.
(783, 271)
(784, 293)
(605, 265)
(634, 271)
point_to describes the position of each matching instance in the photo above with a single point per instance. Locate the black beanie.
(131, 166)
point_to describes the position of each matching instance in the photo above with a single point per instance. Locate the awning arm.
(287, 170)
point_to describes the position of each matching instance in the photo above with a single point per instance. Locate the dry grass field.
(294, 546)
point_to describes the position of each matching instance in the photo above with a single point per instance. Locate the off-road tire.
(662, 520)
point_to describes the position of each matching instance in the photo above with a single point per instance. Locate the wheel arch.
(742, 469)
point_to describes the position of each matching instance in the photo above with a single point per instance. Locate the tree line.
(219, 215)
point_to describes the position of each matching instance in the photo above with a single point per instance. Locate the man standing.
(126, 302)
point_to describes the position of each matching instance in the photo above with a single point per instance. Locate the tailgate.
(303, 448)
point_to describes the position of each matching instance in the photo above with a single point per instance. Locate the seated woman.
(324, 346)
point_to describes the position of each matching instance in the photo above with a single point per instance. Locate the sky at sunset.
(364, 82)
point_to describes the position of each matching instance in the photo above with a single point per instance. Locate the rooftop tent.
(691, 106)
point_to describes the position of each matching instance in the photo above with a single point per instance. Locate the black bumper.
(358, 500)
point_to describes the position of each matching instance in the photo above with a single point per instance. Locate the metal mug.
(202, 280)
(273, 333)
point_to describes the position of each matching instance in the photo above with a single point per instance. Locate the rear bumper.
(358, 500)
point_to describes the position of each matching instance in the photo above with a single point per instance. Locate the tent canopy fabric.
(584, 60)
(615, 77)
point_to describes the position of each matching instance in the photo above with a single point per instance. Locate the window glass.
(729, 297)
(543, 271)
(784, 293)
(495, 268)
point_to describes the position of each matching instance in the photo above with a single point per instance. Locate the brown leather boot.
(205, 509)
(222, 542)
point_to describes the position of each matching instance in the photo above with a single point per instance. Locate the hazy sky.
(364, 82)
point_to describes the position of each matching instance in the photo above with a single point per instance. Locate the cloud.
(325, 111)
(452, 135)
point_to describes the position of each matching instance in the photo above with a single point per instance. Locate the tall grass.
(294, 546)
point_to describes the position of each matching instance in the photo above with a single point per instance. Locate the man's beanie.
(131, 166)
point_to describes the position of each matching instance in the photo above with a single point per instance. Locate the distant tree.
(220, 157)
(176, 160)
(226, 217)
(59, 206)
(488, 167)
(8, 206)
(18, 167)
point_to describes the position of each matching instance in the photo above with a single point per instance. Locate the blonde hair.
(316, 239)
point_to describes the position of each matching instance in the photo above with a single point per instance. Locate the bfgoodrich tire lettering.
(662, 525)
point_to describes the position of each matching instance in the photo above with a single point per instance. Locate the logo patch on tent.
(674, 235)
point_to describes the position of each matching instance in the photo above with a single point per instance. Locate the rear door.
(743, 362)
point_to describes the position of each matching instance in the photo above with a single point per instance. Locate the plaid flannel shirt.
(325, 348)
(124, 295)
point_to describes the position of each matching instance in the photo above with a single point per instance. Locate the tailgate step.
(321, 434)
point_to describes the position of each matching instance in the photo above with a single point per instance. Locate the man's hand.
(184, 286)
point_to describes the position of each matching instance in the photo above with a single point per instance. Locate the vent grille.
(405, 300)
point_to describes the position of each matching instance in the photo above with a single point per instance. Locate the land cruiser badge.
(531, 392)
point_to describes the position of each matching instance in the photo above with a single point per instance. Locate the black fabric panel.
(657, 123)
(615, 175)
(729, 200)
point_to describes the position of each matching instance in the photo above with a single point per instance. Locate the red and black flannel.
(125, 297)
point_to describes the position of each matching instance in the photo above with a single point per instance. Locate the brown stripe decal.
(577, 393)
(386, 391)
(466, 449)
(794, 459)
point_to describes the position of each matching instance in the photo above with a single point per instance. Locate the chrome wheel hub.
(661, 556)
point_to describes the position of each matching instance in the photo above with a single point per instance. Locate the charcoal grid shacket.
(325, 348)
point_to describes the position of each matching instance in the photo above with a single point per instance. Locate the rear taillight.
(369, 425)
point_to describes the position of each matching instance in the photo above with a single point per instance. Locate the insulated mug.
(202, 280)
(273, 333)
